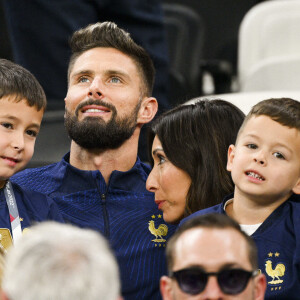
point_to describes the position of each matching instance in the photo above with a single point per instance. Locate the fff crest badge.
(5, 239)
(159, 230)
(275, 271)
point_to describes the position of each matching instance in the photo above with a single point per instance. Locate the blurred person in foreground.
(61, 261)
(209, 257)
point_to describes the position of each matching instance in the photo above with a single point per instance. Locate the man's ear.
(166, 288)
(65, 113)
(148, 110)
(260, 286)
(296, 188)
(230, 157)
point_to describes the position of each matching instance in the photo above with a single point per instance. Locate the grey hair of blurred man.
(60, 261)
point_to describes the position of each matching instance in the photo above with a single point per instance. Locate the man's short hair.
(109, 35)
(211, 221)
(60, 261)
(18, 82)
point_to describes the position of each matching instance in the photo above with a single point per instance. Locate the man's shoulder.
(38, 206)
(26, 193)
(39, 179)
(48, 170)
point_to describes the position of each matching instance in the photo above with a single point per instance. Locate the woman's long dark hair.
(195, 138)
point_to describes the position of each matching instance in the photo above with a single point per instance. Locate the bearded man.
(100, 184)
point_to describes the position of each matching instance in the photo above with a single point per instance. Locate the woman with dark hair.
(188, 149)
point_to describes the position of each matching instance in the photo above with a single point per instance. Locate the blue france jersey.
(123, 210)
(278, 243)
(33, 207)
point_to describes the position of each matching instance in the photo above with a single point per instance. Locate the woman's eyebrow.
(156, 150)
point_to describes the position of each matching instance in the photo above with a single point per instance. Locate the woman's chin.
(171, 220)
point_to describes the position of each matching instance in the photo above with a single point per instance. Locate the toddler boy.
(265, 167)
(22, 105)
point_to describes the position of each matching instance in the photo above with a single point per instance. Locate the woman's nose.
(151, 183)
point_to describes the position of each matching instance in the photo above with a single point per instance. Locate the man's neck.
(251, 211)
(121, 159)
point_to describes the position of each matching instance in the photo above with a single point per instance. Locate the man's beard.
(95, 133)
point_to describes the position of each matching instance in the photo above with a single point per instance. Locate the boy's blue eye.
(278, 155)
(7, 125)
(251, 146)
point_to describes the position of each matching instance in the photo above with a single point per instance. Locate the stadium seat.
(269, 47)
(185, 36)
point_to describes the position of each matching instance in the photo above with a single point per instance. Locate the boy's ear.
(230, 157)
(296, 188)
(148, 110)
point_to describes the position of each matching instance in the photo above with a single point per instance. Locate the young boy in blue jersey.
(22, 105)
(265, 167)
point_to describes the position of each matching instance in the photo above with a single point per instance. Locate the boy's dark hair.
(211, 221)
(195, 138)
(285, 111)
(109, 35)
(18, 82)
